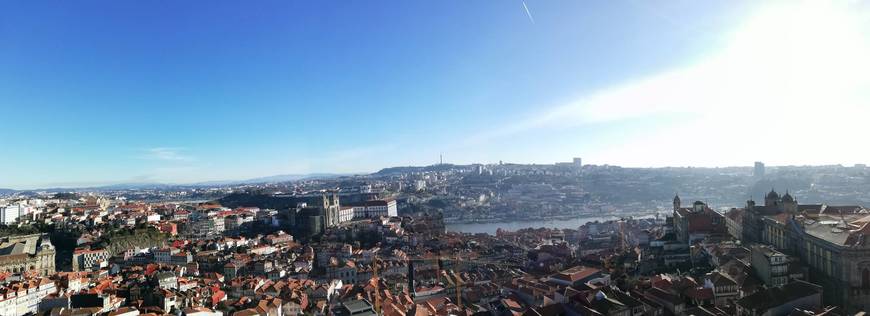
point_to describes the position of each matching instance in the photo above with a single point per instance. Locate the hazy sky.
(96, 92)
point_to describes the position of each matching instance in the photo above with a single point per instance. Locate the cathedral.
(314, 214)
(331, 206)
(753, 215)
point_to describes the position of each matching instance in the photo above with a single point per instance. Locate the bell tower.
(772, 198)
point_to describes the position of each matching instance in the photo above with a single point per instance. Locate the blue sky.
(97, 92)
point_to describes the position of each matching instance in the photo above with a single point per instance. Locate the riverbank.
(490, 228)
(560, 223)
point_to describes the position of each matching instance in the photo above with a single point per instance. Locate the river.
(490, 228)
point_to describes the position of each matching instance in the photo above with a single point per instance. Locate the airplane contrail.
(528, 13)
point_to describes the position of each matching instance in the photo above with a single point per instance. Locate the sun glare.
(796, 72)
(807, 55)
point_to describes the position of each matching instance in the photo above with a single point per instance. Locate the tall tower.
(789, 203)
(335, 201)
(676, 202)
(758, 172)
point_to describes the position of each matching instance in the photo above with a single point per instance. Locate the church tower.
(676, 202)
(772, 198)
(330, 209)
(789, 203)
(335, 201)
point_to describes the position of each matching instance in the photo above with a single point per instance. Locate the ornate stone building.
(314, 214)
(331, 207)
(25, 253)
(774, 204)
(833, 241)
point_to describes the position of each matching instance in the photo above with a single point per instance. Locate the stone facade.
(833, 241)
(25, 253)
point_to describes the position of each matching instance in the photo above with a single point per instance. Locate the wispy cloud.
(166, 154)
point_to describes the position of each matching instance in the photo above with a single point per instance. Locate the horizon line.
(101, 184)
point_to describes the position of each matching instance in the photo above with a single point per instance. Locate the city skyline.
(211, 92)
(560, 166)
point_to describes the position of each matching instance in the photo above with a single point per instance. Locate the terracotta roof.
(576, 273)
(700, 293)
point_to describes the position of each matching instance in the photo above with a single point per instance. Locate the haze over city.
(181, 92)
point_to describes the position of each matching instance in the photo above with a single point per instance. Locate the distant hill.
(398, 170)
(134, 186)
(276, 178)
(269, 179)
(110, 187)
(157, 185)
(264, 201)
(295, 177)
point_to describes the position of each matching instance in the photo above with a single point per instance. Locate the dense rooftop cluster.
(378, 245)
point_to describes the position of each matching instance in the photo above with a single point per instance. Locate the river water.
(490, 228)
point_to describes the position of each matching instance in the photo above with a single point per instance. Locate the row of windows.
(819, 258)
(775, 236)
